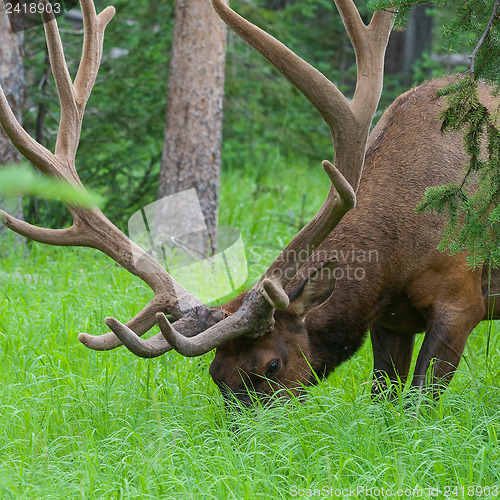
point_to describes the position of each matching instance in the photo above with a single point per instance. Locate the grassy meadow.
(77, 424)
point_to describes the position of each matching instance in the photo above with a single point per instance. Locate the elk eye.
(273, 367)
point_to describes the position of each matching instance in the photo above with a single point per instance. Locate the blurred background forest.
(266, 121)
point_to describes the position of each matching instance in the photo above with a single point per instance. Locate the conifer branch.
(473, 56)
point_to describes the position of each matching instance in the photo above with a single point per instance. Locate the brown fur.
(407, 286)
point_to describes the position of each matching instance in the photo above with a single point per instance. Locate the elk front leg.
(442, 349)
(392, 352)
(449, 296)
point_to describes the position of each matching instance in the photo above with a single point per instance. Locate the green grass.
(80, 424)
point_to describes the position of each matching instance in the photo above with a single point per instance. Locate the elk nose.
(237, 400)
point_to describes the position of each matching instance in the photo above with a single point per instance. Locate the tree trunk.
(394, 54)
(193, 132)
(13, 84)
(405, 47)
(417, 40)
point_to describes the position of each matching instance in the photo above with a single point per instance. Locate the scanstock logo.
(173, 231)
(25, 14)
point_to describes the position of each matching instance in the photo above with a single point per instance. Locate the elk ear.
(314, 290)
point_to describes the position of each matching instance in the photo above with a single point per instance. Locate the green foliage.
(472, 18)
(461, 31)
(474, 27)
(16, 181)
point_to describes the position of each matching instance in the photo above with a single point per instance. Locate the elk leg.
(392, 352)
(442, 348)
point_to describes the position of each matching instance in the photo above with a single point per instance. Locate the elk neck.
(338, 328)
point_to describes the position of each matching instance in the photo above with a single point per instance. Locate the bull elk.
(390, 280)
(290, 323)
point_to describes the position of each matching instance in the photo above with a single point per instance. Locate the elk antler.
(349, 124)
(90, 226)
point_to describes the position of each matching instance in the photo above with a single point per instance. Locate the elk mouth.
(250, 398)
(239, 401)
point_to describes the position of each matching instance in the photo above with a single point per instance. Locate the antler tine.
(150, 348)
(140, 324)
(64, 85)
(275, 294)
(93, 38)
(70, 236)
(22, 141)
(73, 97)
(340, 199)
(370, 61)
(193, 322)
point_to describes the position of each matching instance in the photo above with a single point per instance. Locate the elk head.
(283, 357)
(269, 316)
